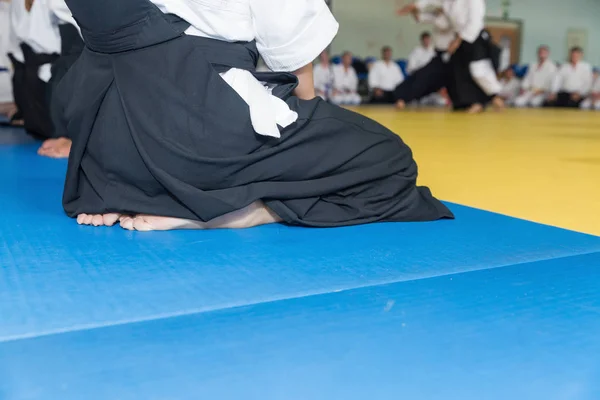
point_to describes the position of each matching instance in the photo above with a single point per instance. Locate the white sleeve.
(413, 61)
(588, 81)
(425, 4)
(374, 78)
(553, 72)
(353, 81)
(61, 11)
(43, 34)
(401, 76)
(528, 80)
(475, 21)
(292, 33)
(558, 80)
(426, 17)
(338, 83)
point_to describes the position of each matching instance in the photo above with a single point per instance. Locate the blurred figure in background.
(384, 76)
(323, 76)
(538, 82)
(34, 46)
(7, 105)
(445, 80)
(510, 86)
(345, 82)
(71, 46)
(592, 102)
(418, 59)
(421, 55)
(473, 47)
(573, 82)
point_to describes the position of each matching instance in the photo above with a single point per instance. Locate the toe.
(48, 143)
(97, 220)
(88, 219)
(110, 219)
(127, 223)
(81, 218)
(141, 224)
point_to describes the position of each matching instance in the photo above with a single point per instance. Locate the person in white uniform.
(36, 45)
(323, 76)
(345, 82)
(572, 83)
(384, 76)
(421, 55)
(444, 71)
(7, 106)
(173, 128)
(511, 85)
(592, 102)
(71, 45)
(474, 47)
(537, 84)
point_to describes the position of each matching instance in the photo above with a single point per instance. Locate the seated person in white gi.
(384, 76)
(573, 82)
(323, 76)
(538, 82)
(593, 100)
(421, 55)
(419, 58)
(199, 141)
(510, 86)
(7, 106)
(345, 82)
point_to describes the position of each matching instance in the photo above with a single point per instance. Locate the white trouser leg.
(353, 99)
(586, 104)
(434, 99)
(483, 73)
(524, 99)
(346, 99)
(537, 100)
(337, 99)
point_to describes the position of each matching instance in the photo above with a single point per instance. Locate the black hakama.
(33, 96)
(31, 93)
(71, 48)
(157, 131)
(463, 89)
(452, 74)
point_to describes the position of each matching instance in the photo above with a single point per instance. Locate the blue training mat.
(483, 307)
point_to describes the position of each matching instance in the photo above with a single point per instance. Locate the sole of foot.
(147, 223)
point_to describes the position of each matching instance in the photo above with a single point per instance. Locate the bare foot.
(475, 109)
(98, 219)
(498, 103)
(55, 148)
(254, 215)
(400, 105)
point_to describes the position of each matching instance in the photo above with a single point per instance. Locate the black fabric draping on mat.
(156, 130)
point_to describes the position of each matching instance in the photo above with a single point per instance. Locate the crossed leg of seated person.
(253, 215)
